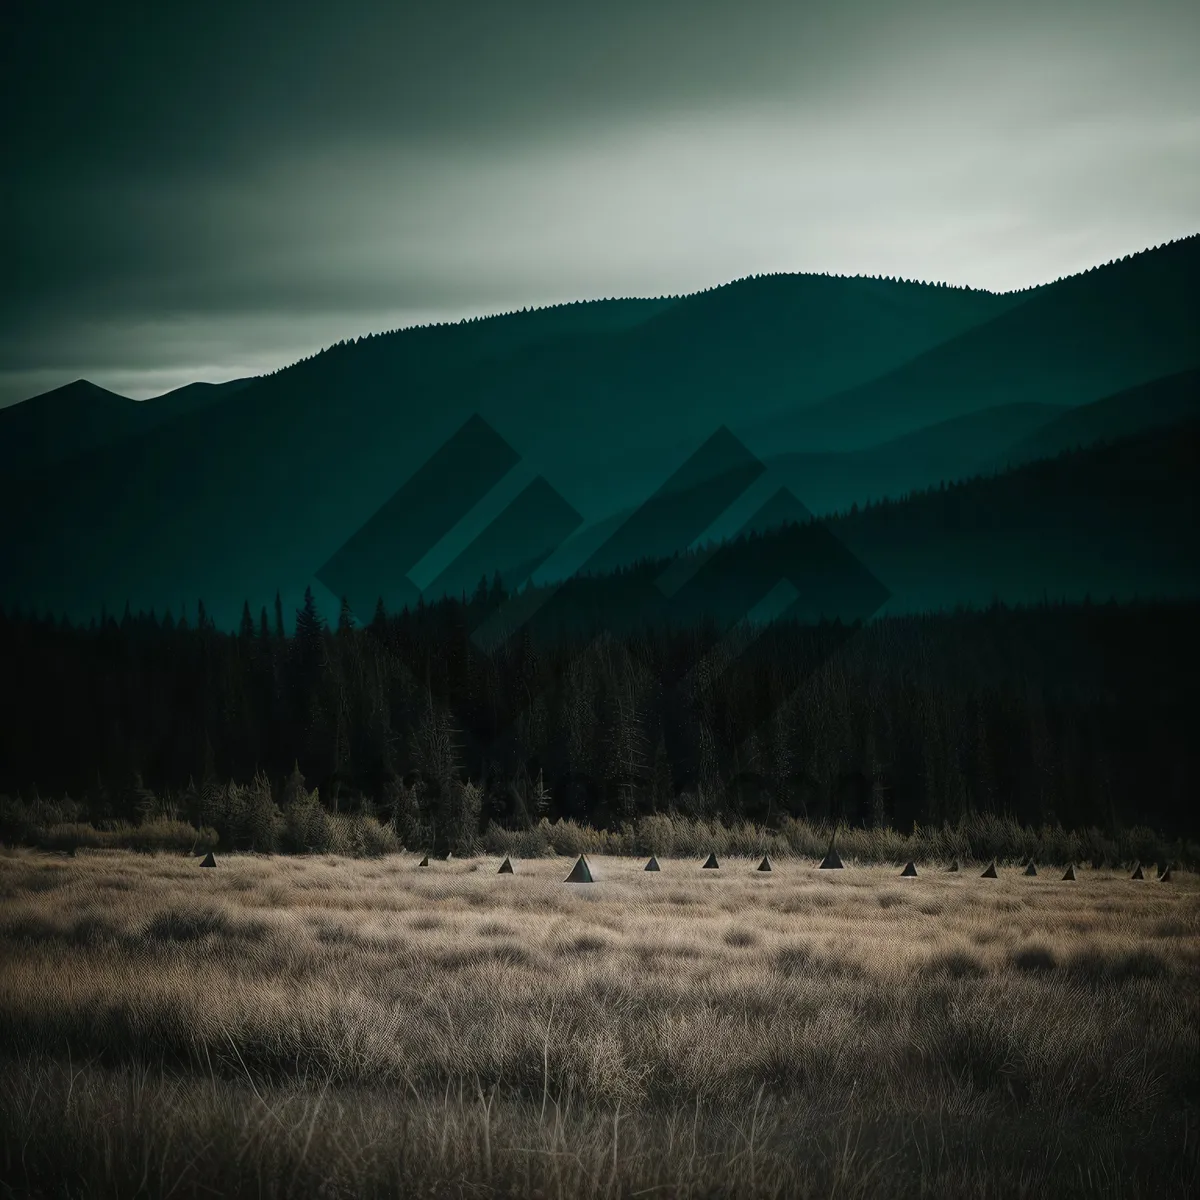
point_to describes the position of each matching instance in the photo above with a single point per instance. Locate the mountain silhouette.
(604, 401)
(58, 425)
(953, 449)
(1114, 521)
(1070, 343)
(1160, 403)
(80, 417)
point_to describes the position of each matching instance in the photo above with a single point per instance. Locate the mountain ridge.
(256, 491)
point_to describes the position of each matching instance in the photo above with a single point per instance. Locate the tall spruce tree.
(379, 620)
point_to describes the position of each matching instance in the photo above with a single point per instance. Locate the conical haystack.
(1030, 868)
(424, 862)
(449, 856)
(652, 865)
(1070, 873)
(954, 866)
(1137, 872)
(910, 870)
(831, 862)
(209, 861)
(580, 872)
(1165, 877)
(505, 867)
(765, 865)
(990, 873)
(711, 864)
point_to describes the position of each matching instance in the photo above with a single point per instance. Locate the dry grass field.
(334, 1027)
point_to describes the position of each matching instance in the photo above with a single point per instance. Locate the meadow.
(334, 1027)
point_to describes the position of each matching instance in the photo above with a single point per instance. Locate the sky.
(210, 190)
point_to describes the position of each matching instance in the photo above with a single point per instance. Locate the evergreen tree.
(261, 818)
(379, 620)
(309, 623)
(246, 631)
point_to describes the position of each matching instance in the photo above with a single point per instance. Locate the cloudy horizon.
(202, 194)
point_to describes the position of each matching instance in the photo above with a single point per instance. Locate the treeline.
(1057, 716)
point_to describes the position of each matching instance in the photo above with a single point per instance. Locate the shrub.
(306, 824)
(360, 837)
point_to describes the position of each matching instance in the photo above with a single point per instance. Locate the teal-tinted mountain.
(268, 487)
(80, 417)
(1078, 340)
(1155, 405)
(1115, 521)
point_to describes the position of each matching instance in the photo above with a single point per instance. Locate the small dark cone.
(652, 865)
(1030, 869)
(1070, 874)
(765, 865)
(954, 866)
(831, 862)
(990, 873)
(1137, 872)
(580, 872)
(424, 862)
(505, 867)
(209, 861)
(1165, 877)
(910, 871)
(711, 864)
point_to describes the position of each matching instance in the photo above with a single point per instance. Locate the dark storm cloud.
(205, 190)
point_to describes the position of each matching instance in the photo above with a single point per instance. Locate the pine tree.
(379, 620)
(309, 624)
(280, 632)
(261, 817)
(246, 632)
